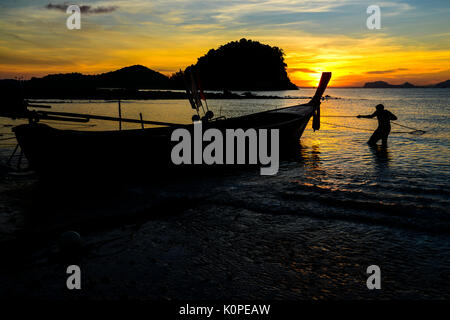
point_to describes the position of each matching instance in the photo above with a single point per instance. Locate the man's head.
(379, 107)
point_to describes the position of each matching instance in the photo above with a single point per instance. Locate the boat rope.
(340, 125)
(338, 116)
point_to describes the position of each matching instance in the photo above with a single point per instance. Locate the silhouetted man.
(384, 125)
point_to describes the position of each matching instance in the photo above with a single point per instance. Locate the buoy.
(70, 241)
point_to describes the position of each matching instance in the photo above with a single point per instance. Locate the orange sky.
(413, 44)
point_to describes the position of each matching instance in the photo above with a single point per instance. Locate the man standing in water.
(384, 125)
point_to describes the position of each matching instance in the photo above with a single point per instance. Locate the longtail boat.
(57, 153)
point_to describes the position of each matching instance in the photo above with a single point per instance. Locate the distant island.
(384, 84)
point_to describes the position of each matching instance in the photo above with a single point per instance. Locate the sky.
(413, 43)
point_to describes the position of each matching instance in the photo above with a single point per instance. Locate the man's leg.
(384, 140)
(374, 138)
(384, 137)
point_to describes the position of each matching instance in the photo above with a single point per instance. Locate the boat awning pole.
(142, 120)
(87, 117)
(120, 117)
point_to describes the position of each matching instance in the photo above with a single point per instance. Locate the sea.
(335, 177)
(407, 183)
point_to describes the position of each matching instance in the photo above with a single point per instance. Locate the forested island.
(241, 65)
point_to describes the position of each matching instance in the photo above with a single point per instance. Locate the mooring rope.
(338, 116)
(339, 125)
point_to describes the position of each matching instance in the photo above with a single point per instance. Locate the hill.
(133, 77)
(384, 84)
(444, 84)
(242, 65)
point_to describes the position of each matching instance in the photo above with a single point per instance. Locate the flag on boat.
(195, 92)
(200, 89)
(189, 93)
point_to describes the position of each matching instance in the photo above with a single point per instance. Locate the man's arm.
(370, 116)
(392, 116)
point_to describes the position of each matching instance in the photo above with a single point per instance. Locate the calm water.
(336, 175)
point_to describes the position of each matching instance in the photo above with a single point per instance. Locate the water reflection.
(315, 156)
(301, 153)
(381, 155)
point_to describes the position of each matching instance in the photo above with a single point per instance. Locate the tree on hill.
(242, 65)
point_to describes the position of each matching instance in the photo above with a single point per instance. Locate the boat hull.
(143, 152)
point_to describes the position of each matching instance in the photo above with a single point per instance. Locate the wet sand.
(195, 240)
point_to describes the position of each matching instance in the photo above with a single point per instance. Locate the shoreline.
(121, 94)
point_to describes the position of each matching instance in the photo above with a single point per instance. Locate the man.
(384, 125)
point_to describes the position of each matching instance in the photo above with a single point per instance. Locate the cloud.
(84, 9)
(386, 71)
(305, 70)
(395, 8)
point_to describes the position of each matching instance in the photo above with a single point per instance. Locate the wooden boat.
(60, 153)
